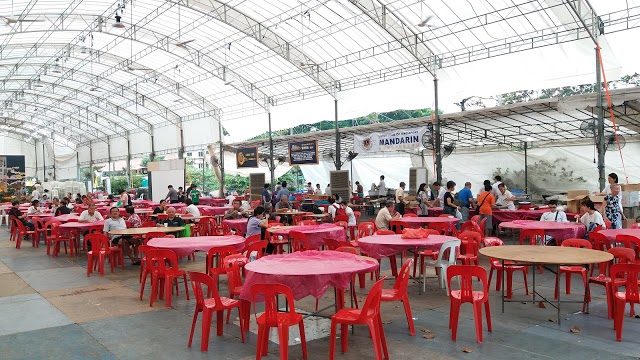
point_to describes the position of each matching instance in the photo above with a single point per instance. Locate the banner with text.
(247, 157)
(303, 152)
(391, 140)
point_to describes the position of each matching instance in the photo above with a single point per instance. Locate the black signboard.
(303, 152)
(247, 157)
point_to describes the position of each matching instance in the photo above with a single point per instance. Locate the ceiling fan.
(183, 44)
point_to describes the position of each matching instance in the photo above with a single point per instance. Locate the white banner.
(389, 140)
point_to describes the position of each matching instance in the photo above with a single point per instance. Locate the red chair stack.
(467, 294)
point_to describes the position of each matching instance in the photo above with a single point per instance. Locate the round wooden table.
(545, 256)
(146, 230)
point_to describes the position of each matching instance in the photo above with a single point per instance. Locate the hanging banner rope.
(613, 118)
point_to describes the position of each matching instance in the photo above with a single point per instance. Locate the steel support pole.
(109, 154)
(438, 139)
(272, 167)
(152, 155)
(526, 171)
(600, 126)
(53, 156)
(338, 154)
(77, 166)
(44, 163)
(91, 166)
(221, 159)
(129, 179)
(203, 166)
(35, 145)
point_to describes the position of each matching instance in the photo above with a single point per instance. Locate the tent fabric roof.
(70, 73)
(544, 121)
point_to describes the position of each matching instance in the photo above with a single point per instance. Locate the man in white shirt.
(35, 194)
(333, 206)
(382, 187)
(439, 194)
(400, 198)
(350, 213)
(497, 180)
(34, 208)
(505, 198)
(384, 216)
(115, 222)
(554, 214)
(327, 190)
(317, 191)
(90, 215)
(191, 209)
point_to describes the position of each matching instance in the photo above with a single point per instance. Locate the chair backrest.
(51, 229)
(432, 231)
(306, 222)
(470, 235)
(475, 218)
(344, 218)
(607, 223)
(410, 215)
(443, 228)
(357, 215)
(618, 271)
(630, 242)
(469, 247)
(600, 241)
(622, 255)
(333, 244)
(161, 260)
(371, 305)
(402, 280)
(197, 280)
(270, 292)
(252, 239)
(531, 236)
(366, 229)
(482, 225)
(38, 223)
(220, 252)
(397, 226)
(385, 232)
(259, 246)
(95, 229)
(234, 277)
(348, 249)
(99, 242)
(467, 273)
(470, 226)
(299, 241)
(142, 249)
(576, 243)
(148, 224)
(152, 235)
(451, 249)
(344, 224)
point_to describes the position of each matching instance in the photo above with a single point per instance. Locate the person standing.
(497, 180)
(181, 195)
(359, 190)
(327, 190)
(35, 194)
(423, 200)
(465, 196)
(505, 198)
(449, 206)
(309, 188)
(172, 195)
(284, 191)
(124, 199)
(265, 197)
(382, 187)
(439, 194)
(194, 195)
(612, 207)
(400, 198)
(485, 203)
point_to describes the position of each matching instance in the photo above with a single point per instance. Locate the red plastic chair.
(532, 237)
(575, 269)
(442, 228)
(630, 242)
(344, 218)
(400, 293)
(24, 231)
(366, 229)
(392, 258)
(152, 235)
(397, 226)
(385, 232)
(13, 228)
(142, 249)
(52, 235)
(467, 294)
(219, 253)
(299, 241)
(408, 215)
(162, 217)
(433, 254)
(620, 256)
(600, 241)
(470, 226)
(630, 295)
(273, 318)
(607, 223)
(100, 251)
(208, 306)
(333, 244)
(344, 224)
(307, 222)
(250, 240)
(163, 267)
(635, 226)
(369, 315)
(148, 224)
(38, 227)
(234, 282)
(469, 247)
(509, 268)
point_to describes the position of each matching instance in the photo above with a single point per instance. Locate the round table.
(314, 233)
(78, 226)
(557, 230)
(612, 233)
(145, 230)
(41, 215)
(416, 222)
(381, 246)
(212, 201)
(306, 272)
(546, 255)
(66, 217)
(186, 246)
(239, 225)
(214, 210)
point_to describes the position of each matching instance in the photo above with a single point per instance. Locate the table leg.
(558, 301)
(503, 283)
(533, 270)
(587, 290)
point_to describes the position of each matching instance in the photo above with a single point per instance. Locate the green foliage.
(120, 183)
(232, 182)
(145, 160)
(544, 177)
(85, 174)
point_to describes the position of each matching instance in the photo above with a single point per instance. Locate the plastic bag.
(458, 214)
(408, 233)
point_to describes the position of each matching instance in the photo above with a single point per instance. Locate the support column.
(77, 165)
(338, 155)
(35, 145)
(526, 171)
(438, 139)
(44, 163)
(91, 166)
(109, 154)
(221, 159)
(600, 144)
(181, 149)
(272, 167)
(129, 179)
(152, 156)
(53, 155)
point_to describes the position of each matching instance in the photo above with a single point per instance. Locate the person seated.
(68, 201)
(332, 208)
(15, 211)
(349, 212)
(44, 199)
(337, 198)
(55, 203)
(283, 204)
(384, 216)
(79, 199)
(554, 214)
(63, 209)
(591, 217)
(505, 198)
(191, 208)
(161, 208)
(86, 200)
(90, 215)
(237, 212)
(34, 208)
(172, 220)
(115, 222)
(132, 217)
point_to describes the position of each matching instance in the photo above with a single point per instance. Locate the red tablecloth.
(213, 210)
(306, 272)
(316, 233)
(381, 246)
(502, 215)
(80, 226)
(43, 216)
(612, 233)
(416, 222)
(185, 246)
(213, 201)
(239, 225)
(557, 230)
(66, 217)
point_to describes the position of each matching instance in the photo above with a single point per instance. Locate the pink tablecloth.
(239, 225)
(316, 233)
(380, 246)
(557, 230)
(416, 222)
(213, 201)
(501, 215)
(185, 246)
(213, 210)
(43, 216)
(66, 217)
(612, 233)
(306, 272)
(80, 226)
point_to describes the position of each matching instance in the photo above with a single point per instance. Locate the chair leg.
(193, 326)
(206, 329)
(383, 338)
(455, 313)
(303, 340)
(242, 320)
(344, 337)
(283, 336)
(332, 339)
(219, 322)
(259, 343)
(487, 310)
(373, 330)
(618, 321)
(477, 316)
(568, 283)
(407, 311)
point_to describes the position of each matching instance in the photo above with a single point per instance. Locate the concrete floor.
(50, 309)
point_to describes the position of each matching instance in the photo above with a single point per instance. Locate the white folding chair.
(441, 264)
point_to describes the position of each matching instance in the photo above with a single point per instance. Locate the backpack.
(339, 210)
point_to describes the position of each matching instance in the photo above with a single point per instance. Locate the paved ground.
(50, 309)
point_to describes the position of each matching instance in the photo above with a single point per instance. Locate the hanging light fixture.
(119, 12)
(56, 67)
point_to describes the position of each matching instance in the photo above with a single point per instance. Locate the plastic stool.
(4, 219)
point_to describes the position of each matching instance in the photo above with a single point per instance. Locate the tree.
(145, 160)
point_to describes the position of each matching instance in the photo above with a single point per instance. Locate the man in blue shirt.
(284, 191)
(466, 197)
